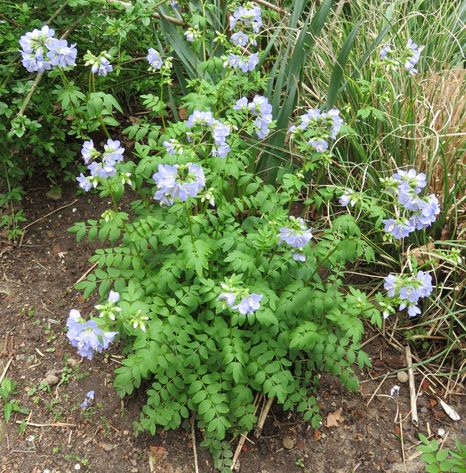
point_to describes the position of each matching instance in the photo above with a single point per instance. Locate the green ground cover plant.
(264, 155)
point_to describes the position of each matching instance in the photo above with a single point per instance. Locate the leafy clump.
(223, 294)
(440, 459)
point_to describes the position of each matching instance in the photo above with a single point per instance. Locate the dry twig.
(412, 387)
(42, 218)
(193, 439)
(263, 416)
(6, 369)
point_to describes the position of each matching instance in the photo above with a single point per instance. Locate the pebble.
(108, 447)
(134, 470)
(288, 442)
(51, 380)
(72, 361)
(424, 409)
(402, 376)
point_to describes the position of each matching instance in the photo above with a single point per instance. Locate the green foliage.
(439, 459)
(188, 351)
(10, 406)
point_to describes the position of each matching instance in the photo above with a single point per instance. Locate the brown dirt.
(35, 298)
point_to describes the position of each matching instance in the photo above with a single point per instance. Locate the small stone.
(125, 432)
(51, 380)
(133, 462)
(424, 409)
(54, 193)
(402, 376)
(77, 466)
(73, 362)
(288, 442)
(134, 470)
(108, 447)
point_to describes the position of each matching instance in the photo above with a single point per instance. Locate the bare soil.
(36, 294)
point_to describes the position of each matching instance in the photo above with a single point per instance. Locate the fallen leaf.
(452, 414)
(183, 113)
(397, 430)
(425, 385)
(317, 434)
(438, 414)
(433, 402)
(334, 418)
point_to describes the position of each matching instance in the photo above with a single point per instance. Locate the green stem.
(188, 217)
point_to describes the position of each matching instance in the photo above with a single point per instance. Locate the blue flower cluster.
(408, 291)
(245, 63)
(409, 57)
(100, 64)
(86, 336)
(261, 109)
(407, 185)
(178, 181)
(40, 51)
(318, 127)
(220, 131)
(247, 17)
(88, 400)
(248, 303)
(296, 235)
(103, 169)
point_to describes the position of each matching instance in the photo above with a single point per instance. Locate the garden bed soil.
(36, 294)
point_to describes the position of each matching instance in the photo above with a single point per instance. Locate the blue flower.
(34, 49)
(297, 235)
(228, 297)
(429, 208)
(61, 54)
(414, 54)
(100, 64)
(249, 304)
(178, 182)
(241, 104)
(410, 180)
(318, 127)
(240, 38)
(86, 183)
(385, 51)
(347, 198)
(399, 228)
(173, 146)
(86, 336)
(408, 290)
(245, 63)
(248, 16)
(154, 59)
(90, 396)
(320, 145)
(220, 132)
(88, 151)
(199, 118)
(261, 109)
(113, 152)
(390, 284)
(299, 257)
